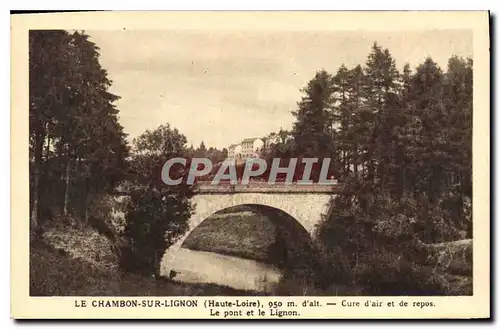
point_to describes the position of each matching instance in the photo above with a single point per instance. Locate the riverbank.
(54, 273)
(71, 262)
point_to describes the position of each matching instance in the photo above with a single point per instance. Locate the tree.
(347, 117)
(48, 67)
(215, 155)
(157, 214)
(428, 144)
(379, 90)
(458, 101)
(201, 151)
(341, 118)
(412, 134)
(75, 138)
(312, 130)
(94, 142)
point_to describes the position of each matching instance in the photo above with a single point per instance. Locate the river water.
(207, 267)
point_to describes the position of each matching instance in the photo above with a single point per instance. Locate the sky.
(220, 87)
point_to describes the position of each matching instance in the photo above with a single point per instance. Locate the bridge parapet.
(207, 188)
(255, 187)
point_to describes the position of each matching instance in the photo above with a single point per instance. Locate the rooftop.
(249, 140)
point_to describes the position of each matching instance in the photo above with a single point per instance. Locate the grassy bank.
(54, 273)
(453, 260)
(241, 233)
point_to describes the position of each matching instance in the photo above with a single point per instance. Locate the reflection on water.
(238, 273)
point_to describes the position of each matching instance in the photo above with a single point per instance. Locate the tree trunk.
(370, 169)
(47, 151)
(85, 219)
(45, 180)
(400, 183)
(344, 162)
(34, 220)
(381, 172)
(355, 161)
(66, 190)
(157, 265)
(86, 201)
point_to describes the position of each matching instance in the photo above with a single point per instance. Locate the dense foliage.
(401, 144)
(77, 147)
(79, 155)
(402, 136)
(156, 213)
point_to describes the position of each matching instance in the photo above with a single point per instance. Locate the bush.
(389, 273)
(378, 242)
(454, 257)
(332, 267)
(155, 219)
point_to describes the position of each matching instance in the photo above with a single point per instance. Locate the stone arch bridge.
(307, 204)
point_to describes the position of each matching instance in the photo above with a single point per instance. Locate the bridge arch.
(301, 209)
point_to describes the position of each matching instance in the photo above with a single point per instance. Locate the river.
(207, 267)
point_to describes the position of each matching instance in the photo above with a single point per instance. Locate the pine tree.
(429, 144)
(380, 92)
(341, 118)
(48, 68)
(458, 102)
(73, 122)
(312, 130)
